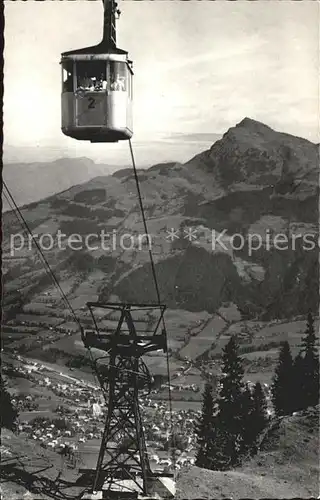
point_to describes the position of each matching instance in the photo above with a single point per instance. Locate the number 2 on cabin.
(91, 103)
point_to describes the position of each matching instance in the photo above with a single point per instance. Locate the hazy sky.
(200, 67)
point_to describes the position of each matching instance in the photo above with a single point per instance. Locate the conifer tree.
(255, 417)
(261, 418)
(8, 413)
(282, 388)
(298, 382)
(220, 446)
(310, 380)
(230, 415)
(248, 434)
(203, 427)
(232, 383)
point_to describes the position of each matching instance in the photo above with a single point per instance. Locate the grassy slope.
(286, 467)
(26, 467)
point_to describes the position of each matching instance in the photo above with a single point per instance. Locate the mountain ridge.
(252, 179)
(27, 180)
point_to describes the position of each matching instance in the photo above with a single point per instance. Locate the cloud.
(196, 137)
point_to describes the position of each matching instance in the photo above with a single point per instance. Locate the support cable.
(158, 298)
(47, 267)
(44, 260)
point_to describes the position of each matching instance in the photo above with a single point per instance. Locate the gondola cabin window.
(118, 76)
(67, 78)
(91, 76)
(96, 76)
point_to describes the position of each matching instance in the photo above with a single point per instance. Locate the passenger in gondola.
(103, 82)
(86, 83)
(93, 83)
(98, 86)
(113, 85)
(118, 84)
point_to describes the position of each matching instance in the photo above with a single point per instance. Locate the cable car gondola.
(96, 99)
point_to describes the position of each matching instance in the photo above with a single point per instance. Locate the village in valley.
(77, 416)
(62, 412)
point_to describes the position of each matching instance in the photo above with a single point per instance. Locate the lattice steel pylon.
(123, 464)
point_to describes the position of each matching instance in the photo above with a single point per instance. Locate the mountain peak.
(253, 125)
(252, 132)
(253, 154)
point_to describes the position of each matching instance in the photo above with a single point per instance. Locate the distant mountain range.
(253, 180)
(33, 181)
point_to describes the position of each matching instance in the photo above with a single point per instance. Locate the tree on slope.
(260, 405)
(220, 446)
(310, 375)
(282, 388)
(230, 403)
(247, 419)
(255, 417)
(203, 427)
(8, 413)
(298, 382)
